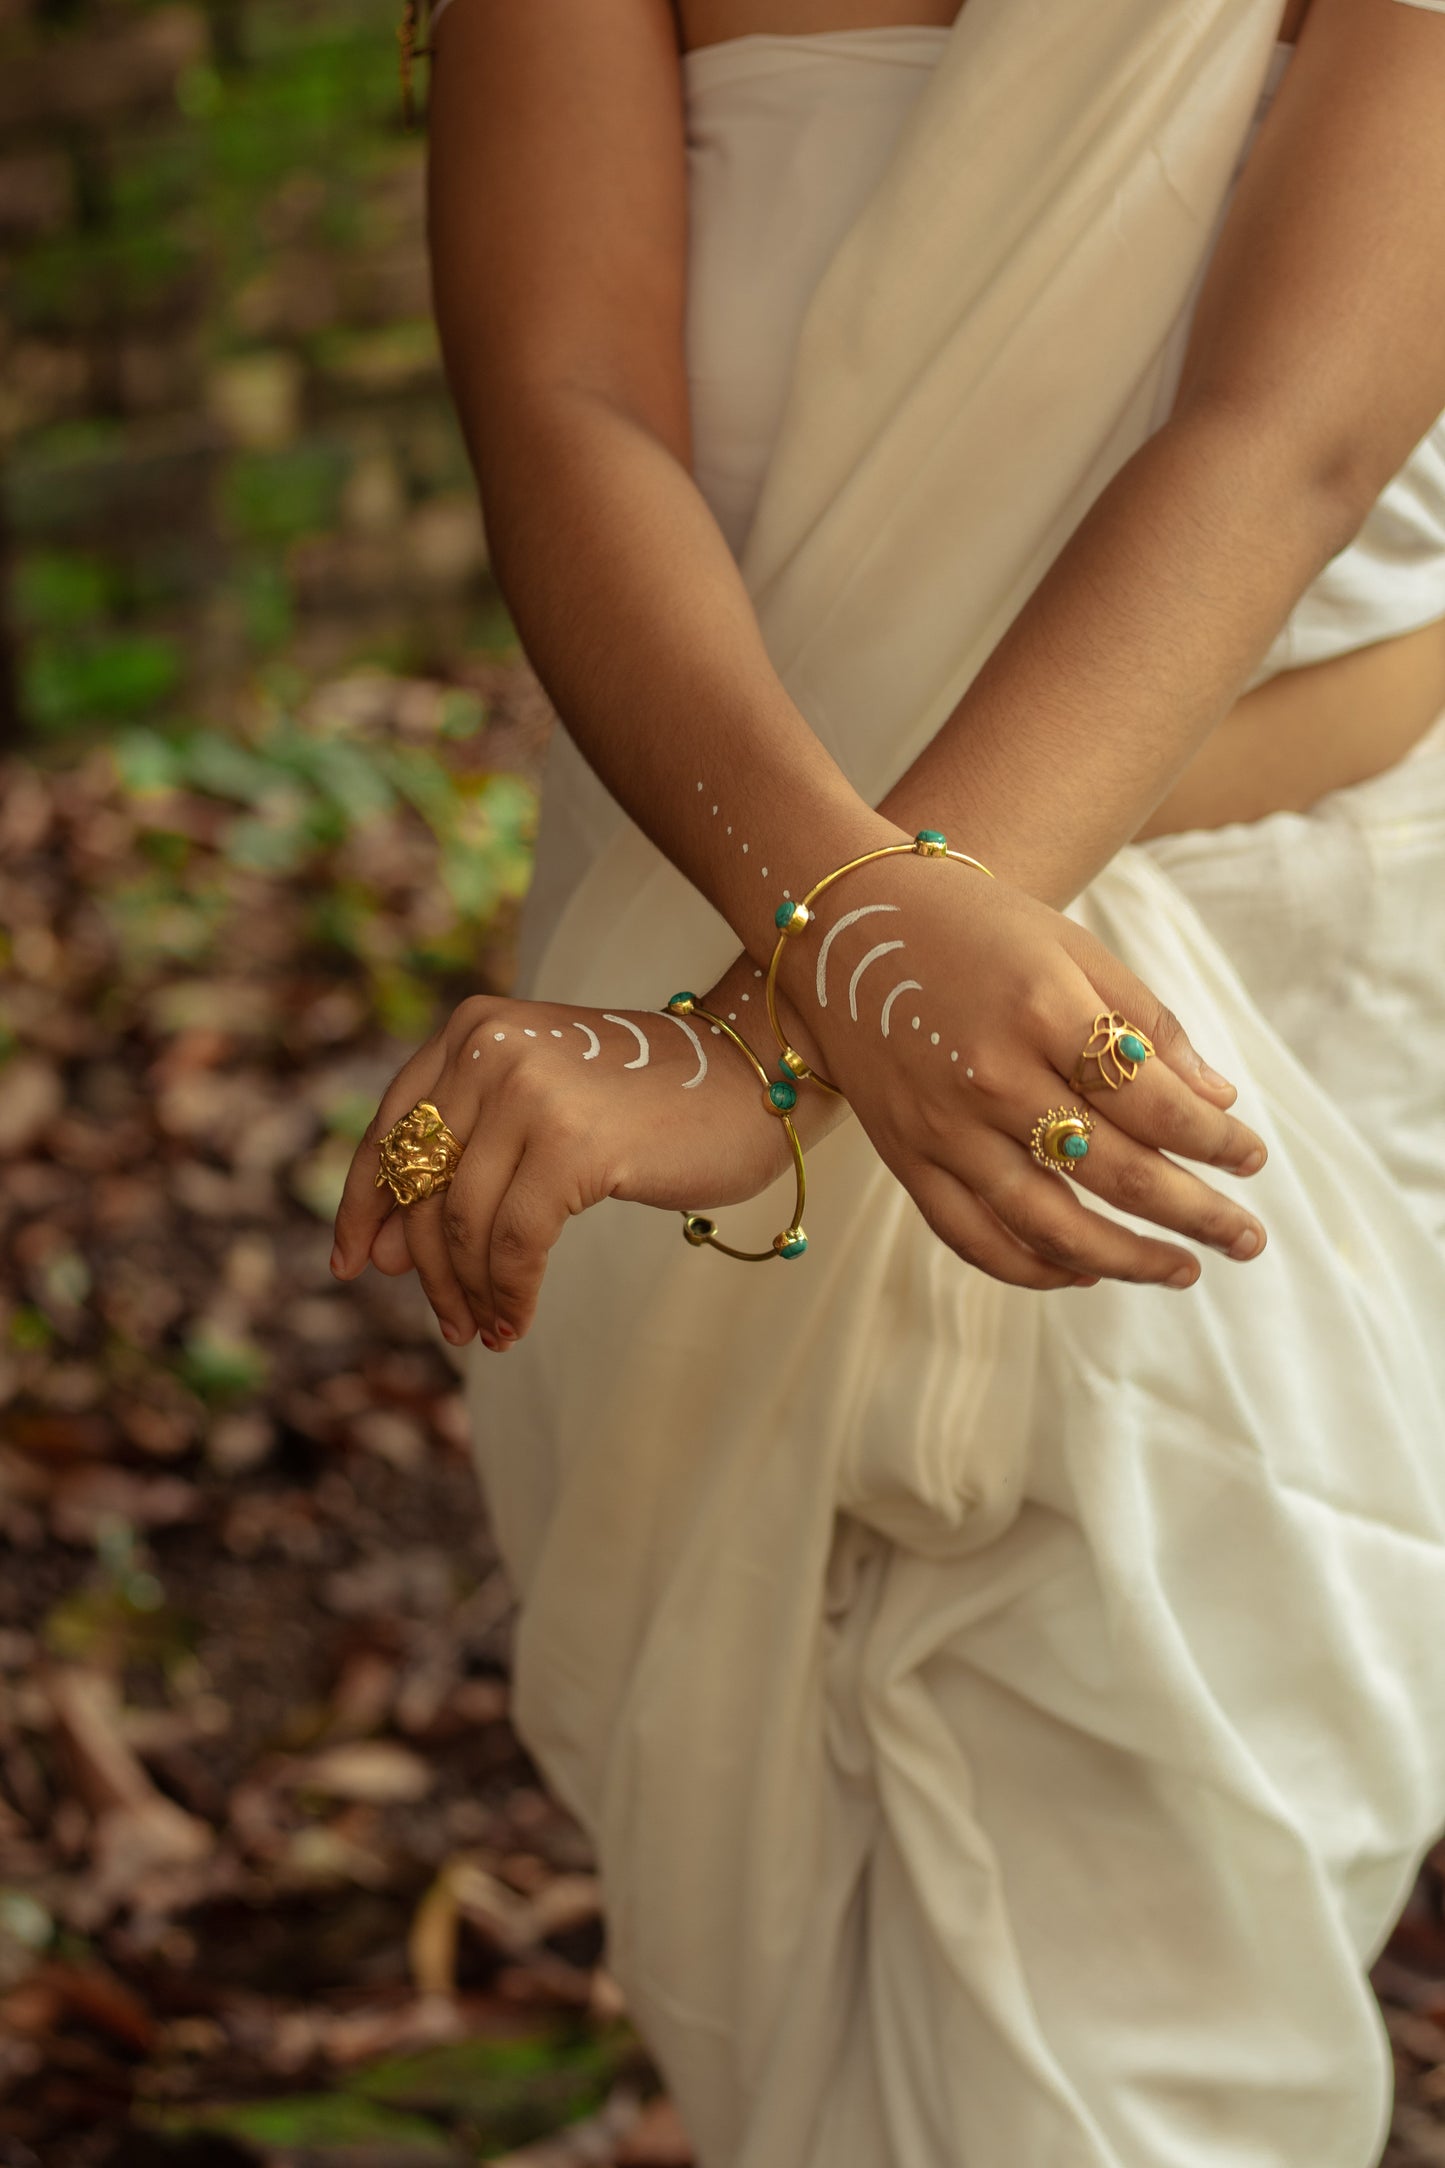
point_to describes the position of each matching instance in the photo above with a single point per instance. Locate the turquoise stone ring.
(1114, 1053)
(1061, 1138)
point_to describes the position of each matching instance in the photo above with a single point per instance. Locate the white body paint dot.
(499, 1035)
(916, 1022)
(765, 873)
(746, 997)
(968, 1072)
(555, 1033)
(717, 1031)
(954, 1055)
(733, 1014)
(729, 831)
(476, 1053)
(745, 850)
(527, 1032)
(933, 1035)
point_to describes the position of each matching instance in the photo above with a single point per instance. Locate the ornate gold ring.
(1061, 1138)
(1117, 1051)
(419, 1155)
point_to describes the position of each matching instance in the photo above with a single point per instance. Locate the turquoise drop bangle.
(780, 1096)
(792, 919)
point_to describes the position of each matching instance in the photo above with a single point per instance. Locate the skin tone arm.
(1293, 411)
(1141, 635)
(561, 319)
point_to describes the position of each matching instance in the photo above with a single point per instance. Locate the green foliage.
(62, 591)
(317, 2121)
(221, 1371)
(276, 496)
(330, 816)
(97, 677)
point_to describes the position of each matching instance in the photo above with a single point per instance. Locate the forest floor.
(278, 1885)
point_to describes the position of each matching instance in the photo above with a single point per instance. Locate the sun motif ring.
(1116, 1051)
(419, 1155)
(1061, 1138)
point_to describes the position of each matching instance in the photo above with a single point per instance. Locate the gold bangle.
(779, 1097)
(792, 919)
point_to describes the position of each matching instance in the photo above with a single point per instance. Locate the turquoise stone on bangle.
(931, 835)
(791, 917)
(783, 1095)
(683, 1002)
(791, 1243)
(1074, 1147)
(1133, 1049)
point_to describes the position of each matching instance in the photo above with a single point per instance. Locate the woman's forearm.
(1129, 652)
(635, 617)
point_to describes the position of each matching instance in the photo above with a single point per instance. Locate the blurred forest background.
(277, 1883)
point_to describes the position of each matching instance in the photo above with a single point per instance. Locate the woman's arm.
(1316, 363)
(558, 220)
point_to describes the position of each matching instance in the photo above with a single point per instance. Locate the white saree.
(1008, 1724)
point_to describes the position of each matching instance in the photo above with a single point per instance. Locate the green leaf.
(148, 764)
(221, 1370)
(314, 2120)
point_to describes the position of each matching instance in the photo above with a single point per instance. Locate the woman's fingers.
(1157, 1107)
(431, 1254)
(363, 1205)
(389, 1252)
(540, 1199)
(1150, 1187)
(1162, 1104)
(1121, 991)
(1041, 1210)
(468, 1215)
(964, 1222)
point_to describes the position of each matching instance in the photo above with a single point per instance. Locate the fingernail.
(488, 1343)
(1213, 1077)
(1244, 1245)
(1184, 1277)
(449, 1332)
(505, 1331)
(336, 1260)
(1086, 1283)
(1252, 1162)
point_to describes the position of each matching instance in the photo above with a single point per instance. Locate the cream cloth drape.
(1006, 1723)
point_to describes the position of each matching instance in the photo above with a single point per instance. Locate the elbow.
(1320, 480)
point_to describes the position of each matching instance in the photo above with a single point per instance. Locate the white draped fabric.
(1008, 1724)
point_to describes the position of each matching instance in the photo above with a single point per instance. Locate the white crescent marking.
(850, 918)
(884, 948)
(901, 988)
(683, 1025)
(644, 1051)
(596, 1046)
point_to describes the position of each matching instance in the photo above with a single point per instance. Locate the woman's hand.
(556, 1108)
(950, 1010)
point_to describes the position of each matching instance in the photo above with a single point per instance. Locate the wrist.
(839, 829)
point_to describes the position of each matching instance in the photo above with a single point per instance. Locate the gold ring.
(419, 1155)
(1117, 1049)
(1061, 1138)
